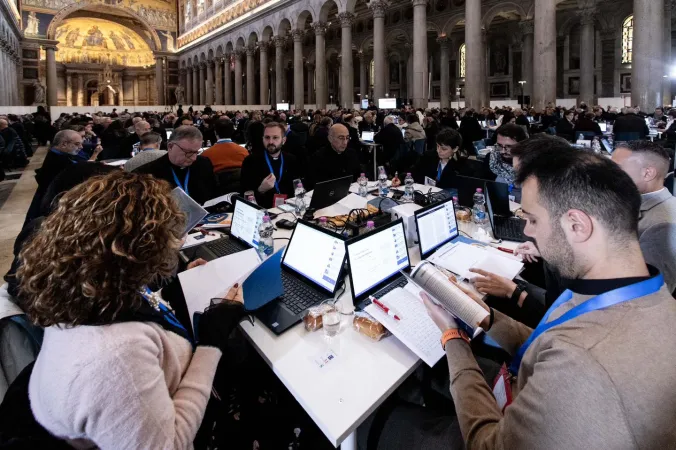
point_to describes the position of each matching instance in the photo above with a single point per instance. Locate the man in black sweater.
(273, 171)
(630, 123)
(181, 166)
(336, 160)
(391, 138)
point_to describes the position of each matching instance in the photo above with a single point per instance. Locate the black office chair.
(229, 180)
(669, 182)
(627, 136)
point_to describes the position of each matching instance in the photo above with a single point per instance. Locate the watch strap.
(453, 333)
(517, 292)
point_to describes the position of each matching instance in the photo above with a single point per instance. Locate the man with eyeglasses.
(498, 164)
(336, 160)
(182, 167)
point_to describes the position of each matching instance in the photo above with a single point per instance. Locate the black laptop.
(312, 268)
(329, 192)
(504, 227)
(467, 187)
(246, 219)
(375, 260)
(436, 226)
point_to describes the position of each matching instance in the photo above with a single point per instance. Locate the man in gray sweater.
(598, 372)
(647, 163)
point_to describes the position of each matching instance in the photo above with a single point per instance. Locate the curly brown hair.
(106, 239)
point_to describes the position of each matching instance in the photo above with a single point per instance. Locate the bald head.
(647, 163)
(339, 137)
(68, 141)
(3, 124)
(141, 127)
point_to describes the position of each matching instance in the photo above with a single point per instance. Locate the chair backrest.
(669, 182)
(229, 180)
(627, 136)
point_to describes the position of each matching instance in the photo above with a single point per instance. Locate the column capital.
(419, 3)
(378, 8)
(211, 63)
(239, 53)
(180, 72)
(46, 47)
(361, 55)
(527, 27)
(203, 64)
(195, 69)
(587, 16)
(279, 41)
(346, 19)
(320, 28)
(444, 41)
(263, 46)
(297, 35)
(250, 50)
(608, 35)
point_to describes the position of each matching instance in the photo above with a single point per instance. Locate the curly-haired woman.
(116, 369)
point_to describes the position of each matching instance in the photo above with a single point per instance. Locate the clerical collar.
(597, 287)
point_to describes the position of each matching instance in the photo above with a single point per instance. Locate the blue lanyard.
(605, 300)
(439, 170)
(178, 183)
(281, 170)
(164, 311)
(221, 141)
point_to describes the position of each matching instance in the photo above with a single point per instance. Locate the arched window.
(372, 73)
(627, 39)
(462, 54)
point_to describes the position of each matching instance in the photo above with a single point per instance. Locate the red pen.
(506, 250)
(380, 305)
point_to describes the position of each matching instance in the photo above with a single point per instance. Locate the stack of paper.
(459, 257)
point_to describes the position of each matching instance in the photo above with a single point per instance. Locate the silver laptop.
(367, 136)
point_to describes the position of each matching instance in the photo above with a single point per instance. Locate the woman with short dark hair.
(443, 164)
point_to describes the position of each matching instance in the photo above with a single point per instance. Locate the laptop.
(246, 219)
(312, 269)
(603, 126)
(367, 136)
(375, 260)
(329, 192)
(436, 225)
(467, 187)
(505, 227)
(606, 145)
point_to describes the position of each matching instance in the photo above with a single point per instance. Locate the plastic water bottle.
(383, 189)
(135, 149)
(265, 242)
(596, 145)
(456, 203)
(323, 222)
(299, 195)
(363, 185)
(479, 208)
(580, 138)
(396, 179)
(408, 189)
(370, 226)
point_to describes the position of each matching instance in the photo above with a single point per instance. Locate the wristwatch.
(453, 333)
(520, 287)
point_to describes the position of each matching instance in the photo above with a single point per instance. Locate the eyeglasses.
(503, 148)
(188, 154)
(342, 138)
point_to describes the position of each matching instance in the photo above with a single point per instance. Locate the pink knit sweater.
(122, 386)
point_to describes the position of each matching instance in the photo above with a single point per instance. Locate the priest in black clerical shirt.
(273, 171)
(183, 168)
(335, 161)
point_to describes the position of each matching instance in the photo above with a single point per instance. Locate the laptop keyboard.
(511, 229)
(224, 247)
(298, 296)
(390, 287)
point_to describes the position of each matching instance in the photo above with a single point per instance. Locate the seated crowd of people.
(119, 365)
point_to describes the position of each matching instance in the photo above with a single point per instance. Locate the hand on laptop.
(267, 184)
(492, 284)
(528, 251)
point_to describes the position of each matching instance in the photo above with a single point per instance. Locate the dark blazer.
(319, 140)
(255, 169)
(202, 185)
(127, 146)
(471, 131)
(391, 138)
(565, 129)
(631, 123)
(587, 125)
(364, 126)
(428, 166)
(327, 164)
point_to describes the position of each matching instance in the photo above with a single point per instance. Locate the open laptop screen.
(603, 126)
(316, 255)
(245, 222)
(377, 256)
(367, 136)
(436, 226)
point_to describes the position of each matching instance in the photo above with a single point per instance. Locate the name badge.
(279, 199)
(502, 388)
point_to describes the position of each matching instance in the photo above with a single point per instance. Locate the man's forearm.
(509, 333)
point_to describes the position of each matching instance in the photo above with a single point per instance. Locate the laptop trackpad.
(276, 316)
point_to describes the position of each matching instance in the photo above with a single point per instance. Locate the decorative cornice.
(346, 19)
(527, 27)
(320, 28)
(297, 35)
(378, 8)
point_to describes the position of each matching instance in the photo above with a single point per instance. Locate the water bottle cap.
(408, 174)
(362, 174)
(266, 218)
(322, 220)
(455, 199)
(300, 185)
(479, 190)
(370, 224)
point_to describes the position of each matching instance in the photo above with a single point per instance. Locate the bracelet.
(517, 292)
(490, 319)
(453, 333)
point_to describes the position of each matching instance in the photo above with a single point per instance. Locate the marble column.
(219, 81)
(209, 89)
(474, 56)
(647, 53)
(265, 73)
(298, 89)
(363, 89)
(445, 44)
(387, 75)
(311, 90)
(420, 75)
(320, 64)
(203, 83)
(80, 90)
(135, 88)
(238, 76)
(527, 30)
(159, 80)
(250, 80)
(52, 95)
(378, 8)
(120, 92)
(69, 89)
(544, 54)
(409, 72)
(227, 80)
(188, 86)
(401, 77)
(587, 17)
(195, 85)
(666, 82)
(347, 68)
(280, 42)
(273, 88)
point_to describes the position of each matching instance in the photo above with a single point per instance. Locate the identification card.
(279, 199)
(502, 388)
(430, 182)
(324, 358)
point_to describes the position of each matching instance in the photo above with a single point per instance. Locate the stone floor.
(15, 198)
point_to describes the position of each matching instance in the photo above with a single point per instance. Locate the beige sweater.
(122, 386)
(604, 380)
